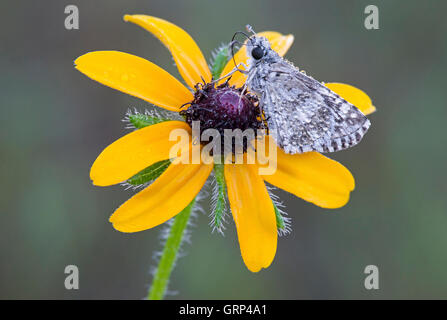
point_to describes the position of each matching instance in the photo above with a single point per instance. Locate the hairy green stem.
(219, 209)
(173, 242)
(169, 255)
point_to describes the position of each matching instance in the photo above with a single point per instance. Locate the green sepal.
(150, 173)
(140, 120)
(280, 223)
(220, 60)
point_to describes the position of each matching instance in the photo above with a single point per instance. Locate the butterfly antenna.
(232, 50)
(233, 42)
(250, 29)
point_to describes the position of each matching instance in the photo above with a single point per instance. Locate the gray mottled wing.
(304, 115)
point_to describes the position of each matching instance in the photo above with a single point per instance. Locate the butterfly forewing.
(304, 115)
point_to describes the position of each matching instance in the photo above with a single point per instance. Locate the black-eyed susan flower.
(310, 176)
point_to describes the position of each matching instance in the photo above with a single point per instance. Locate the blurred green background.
(55, 121)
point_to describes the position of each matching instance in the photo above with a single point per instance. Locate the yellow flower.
(310, 176)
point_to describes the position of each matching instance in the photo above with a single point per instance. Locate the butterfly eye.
(257, 52)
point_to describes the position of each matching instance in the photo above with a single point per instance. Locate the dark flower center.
(224, 107)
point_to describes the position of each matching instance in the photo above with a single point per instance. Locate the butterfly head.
(258, 48)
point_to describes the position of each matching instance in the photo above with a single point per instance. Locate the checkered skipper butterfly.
(302, 114)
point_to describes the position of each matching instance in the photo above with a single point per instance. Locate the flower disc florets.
(224, 107)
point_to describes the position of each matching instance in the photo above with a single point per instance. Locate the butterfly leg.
(244, 89)
(233, 71)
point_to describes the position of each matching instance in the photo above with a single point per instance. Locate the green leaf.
(220, 60)
(140, 120)
(150, 173)
(219, 210)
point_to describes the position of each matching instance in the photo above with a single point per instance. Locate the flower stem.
(169, 255)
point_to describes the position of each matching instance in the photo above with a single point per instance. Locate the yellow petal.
(280, 43)
(354, 96)
(135, 76)
(313, 177)
(134, 152)
(253, 214)
(187, 55)
(163, 199)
